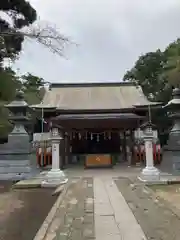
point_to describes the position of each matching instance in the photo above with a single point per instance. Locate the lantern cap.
(147, 125)
(175, 101)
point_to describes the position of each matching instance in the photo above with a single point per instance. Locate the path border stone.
(41, 233)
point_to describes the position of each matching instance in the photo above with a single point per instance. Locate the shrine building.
(99, 122)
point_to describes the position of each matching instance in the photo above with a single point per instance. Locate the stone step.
(15, 176)
(18, 169)
(14, 163)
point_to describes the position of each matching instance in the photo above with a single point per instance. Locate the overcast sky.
(111, 35)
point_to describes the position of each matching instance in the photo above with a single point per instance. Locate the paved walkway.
(93, 208)
(113, 218)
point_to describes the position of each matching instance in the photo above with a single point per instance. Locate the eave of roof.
(98, 116)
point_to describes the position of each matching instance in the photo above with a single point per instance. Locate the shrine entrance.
(96, 140)
(100, 142)
(99, 148)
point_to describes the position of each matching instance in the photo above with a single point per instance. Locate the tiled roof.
(102, 96)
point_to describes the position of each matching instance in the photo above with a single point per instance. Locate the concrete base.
(149, 174)
(26, 184)
(54, 178)
(15, 170)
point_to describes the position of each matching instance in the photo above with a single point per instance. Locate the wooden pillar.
(124, 146)
(70, 146)
(67, 149)
(62, 150)
(132, 146)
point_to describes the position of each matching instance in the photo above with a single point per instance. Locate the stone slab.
(116, 224)
(164, 179)
(28, 183)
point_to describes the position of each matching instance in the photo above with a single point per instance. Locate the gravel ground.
(22, 211)
(171, 193)
(153, 214)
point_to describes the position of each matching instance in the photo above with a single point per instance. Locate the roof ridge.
(91, 84)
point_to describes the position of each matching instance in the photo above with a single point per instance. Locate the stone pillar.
(149, 173)
(148, 153)
(55, 176)
(55, 155)
(171, 158)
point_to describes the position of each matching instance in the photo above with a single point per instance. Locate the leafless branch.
(47, 36)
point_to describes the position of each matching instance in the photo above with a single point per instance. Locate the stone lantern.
(18, 117)
(149, 173)
(173, 146)
(15, 156)
(55, 176)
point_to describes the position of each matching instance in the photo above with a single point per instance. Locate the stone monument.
(172, 153)
(15, 155)
(150, 173)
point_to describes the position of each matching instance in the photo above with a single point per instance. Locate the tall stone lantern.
(18, 117)
(15, 156)
(150, 173)
(173, 146)
(55, 176)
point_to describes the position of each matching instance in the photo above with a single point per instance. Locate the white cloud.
(111, 34)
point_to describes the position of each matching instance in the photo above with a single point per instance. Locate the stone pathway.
(94, 209)
(74, 218)
(112, 214)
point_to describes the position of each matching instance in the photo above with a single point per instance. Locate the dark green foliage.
(157, 72)
(9, 83)
(147, 73)
(21, 14)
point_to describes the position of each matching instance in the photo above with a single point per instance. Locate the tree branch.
(47, 36)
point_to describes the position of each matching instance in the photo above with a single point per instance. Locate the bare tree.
(46, 35)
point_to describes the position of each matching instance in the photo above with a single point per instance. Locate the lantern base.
(149, 174)
(54, 178)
